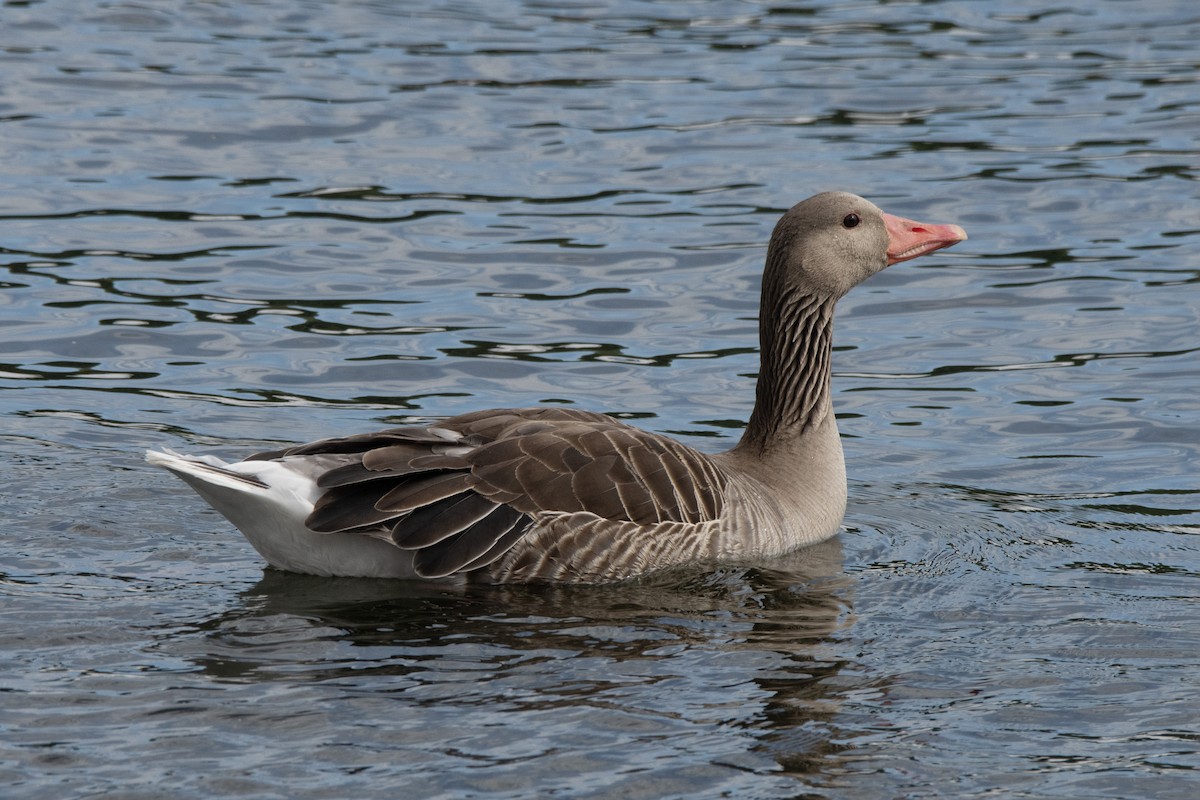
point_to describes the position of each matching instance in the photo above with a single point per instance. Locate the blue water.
(228, 226)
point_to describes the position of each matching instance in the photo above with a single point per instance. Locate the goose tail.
(268, 501)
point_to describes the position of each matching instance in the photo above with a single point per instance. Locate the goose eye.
(850, 220)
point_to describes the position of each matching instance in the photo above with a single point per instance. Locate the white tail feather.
(268, 501)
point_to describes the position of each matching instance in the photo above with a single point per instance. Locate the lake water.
(226, 226)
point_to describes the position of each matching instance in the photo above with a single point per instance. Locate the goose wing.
(463, 492)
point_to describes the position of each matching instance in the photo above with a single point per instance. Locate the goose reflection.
(748, 652)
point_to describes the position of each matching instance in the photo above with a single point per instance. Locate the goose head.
(831, 242)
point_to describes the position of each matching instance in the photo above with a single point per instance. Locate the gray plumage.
(557, 494)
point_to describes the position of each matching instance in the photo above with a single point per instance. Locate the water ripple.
(230, 226)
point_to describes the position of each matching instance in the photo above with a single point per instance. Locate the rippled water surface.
(227, 225)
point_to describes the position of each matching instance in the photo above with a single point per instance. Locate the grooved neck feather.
(792, 395)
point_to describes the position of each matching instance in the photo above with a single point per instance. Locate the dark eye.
(850, 221)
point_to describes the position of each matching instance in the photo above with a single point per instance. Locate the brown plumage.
(454, 495)
(559, 494)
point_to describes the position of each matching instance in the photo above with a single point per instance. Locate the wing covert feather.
(601, 466)
(463, 493)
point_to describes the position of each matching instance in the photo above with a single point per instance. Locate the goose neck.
(792, 395)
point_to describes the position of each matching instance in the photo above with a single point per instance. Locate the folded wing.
(463, 492)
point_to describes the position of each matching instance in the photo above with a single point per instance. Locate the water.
(227, 226)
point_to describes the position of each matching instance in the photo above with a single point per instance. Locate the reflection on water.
(786, 606)
(226, 227)
(634, 655)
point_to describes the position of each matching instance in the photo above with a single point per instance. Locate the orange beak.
(908, 239)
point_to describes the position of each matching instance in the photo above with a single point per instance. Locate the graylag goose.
(562, 495)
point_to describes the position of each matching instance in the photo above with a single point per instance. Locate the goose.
(562, 495)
